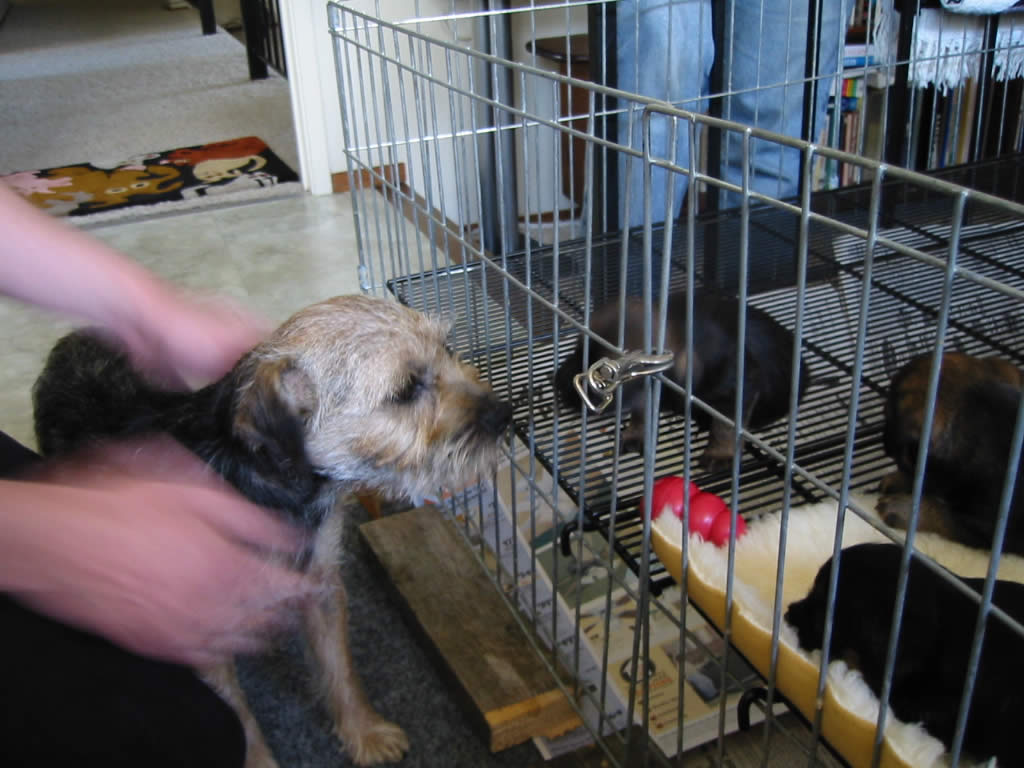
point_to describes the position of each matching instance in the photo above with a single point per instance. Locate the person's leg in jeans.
(71, 698)
(764, 63)
(765, 59)
(665, 51)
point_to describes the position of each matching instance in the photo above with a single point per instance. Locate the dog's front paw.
(631, 441)
(257, 755)
(711, 463)
(377, 741)
(894, 483)
(894, 510)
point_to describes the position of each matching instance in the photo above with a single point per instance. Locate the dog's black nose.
(495, 415)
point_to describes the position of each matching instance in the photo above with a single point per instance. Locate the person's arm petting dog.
(136, 542)
(177, 570)
(55, 266)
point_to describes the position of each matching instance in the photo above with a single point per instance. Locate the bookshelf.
(877, 109)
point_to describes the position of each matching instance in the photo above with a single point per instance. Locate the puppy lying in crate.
(353, 392)
(768, 361)
(972, 431)
(936, 634)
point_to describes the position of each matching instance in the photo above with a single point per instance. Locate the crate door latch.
(605, 376)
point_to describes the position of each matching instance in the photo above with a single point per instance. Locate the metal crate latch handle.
(605, 376)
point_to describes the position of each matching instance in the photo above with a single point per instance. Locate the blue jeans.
(665, 51)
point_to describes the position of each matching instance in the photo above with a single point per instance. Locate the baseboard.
(447, 236)
(375, 177)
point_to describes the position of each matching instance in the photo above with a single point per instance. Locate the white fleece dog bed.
(850, 708)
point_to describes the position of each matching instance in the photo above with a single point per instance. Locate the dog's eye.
(410, 391)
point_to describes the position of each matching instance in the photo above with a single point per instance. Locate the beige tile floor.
(273, 257)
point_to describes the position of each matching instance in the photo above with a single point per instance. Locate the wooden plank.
(596, 757)
(450, 598)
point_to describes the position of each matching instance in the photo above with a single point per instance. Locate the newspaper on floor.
(572, 601)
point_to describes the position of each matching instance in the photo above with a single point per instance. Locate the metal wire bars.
(513, 173)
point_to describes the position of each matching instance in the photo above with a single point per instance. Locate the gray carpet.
(103, 80)
(401, 680)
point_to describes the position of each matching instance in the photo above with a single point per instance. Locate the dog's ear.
(271, 417)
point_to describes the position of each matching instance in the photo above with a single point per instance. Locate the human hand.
(180, 338)
(168, 334)
(143, 544)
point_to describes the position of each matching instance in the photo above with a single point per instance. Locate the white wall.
(309, 48)
(388, 126)
(314, 104)
(536, 148)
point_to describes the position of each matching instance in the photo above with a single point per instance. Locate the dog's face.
(807, 615)
(368, 391)
(908, 395)
(864, 600)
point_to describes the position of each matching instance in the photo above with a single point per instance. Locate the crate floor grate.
(517, 342)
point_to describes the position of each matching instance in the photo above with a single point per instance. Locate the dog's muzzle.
(494, 416)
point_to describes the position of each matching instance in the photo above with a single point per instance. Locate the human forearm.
(165, 331)
(137, 543)
(27, 523)
(50, 264)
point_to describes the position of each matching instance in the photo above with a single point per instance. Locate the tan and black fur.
(351, 393)
(972, 430)
(768, 360)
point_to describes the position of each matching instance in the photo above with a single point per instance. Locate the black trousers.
(68, 697)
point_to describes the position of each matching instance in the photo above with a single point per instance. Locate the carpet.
(400, 675)
(159, 182)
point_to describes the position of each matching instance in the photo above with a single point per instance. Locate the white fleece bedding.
(810, 538)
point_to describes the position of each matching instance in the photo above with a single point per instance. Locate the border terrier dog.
(972, 431)
(768, 360)
(351, 393)
(936, 634)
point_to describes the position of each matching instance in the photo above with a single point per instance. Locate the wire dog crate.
(544, 185)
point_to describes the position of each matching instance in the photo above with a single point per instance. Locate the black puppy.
(972, 431)
(768, 360)
(935, 641)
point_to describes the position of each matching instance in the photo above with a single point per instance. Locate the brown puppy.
(354, 392)
(768, 360)
(972, 431)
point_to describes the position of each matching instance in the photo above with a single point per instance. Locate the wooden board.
(447, 594)
(595, 757)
